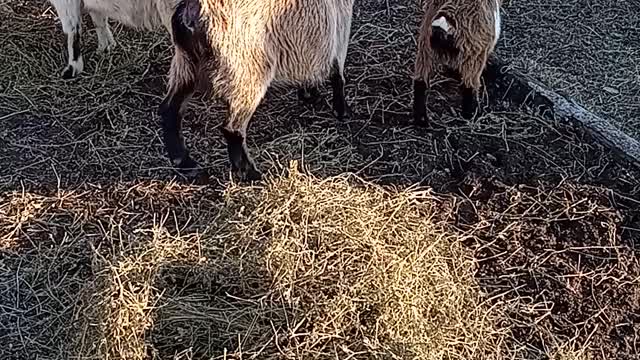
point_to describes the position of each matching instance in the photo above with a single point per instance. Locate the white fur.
(148, 14)
(442, 23)
(497, 24)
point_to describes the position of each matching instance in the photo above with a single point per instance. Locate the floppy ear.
(191, 13)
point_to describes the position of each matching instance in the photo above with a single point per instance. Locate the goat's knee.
(106, 42)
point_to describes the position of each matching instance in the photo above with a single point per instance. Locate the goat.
(459, 34)
(244, 47)
(148, 14)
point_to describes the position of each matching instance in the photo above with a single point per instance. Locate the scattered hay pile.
(333, 268)
(304, 268)
(300, 268)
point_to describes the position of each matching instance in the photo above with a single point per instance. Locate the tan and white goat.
(460, 35)
(243, 46)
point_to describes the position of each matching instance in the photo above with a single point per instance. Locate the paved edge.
(506, 84)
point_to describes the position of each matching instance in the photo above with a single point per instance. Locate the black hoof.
(342, 111)
(68, 73)
(192, 172)
(420, 116)
(345, 115)
(469, 113)
(309, 96)
(252, 175)
(248, 174)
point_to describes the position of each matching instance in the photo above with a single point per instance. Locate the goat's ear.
(191, 13)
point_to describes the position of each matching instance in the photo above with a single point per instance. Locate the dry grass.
(300, 268)
(525, 246)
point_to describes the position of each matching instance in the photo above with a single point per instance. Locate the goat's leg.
(182, 82)
(105, 37)
(70, 14)
(340, 106)
(241, 109)
(422, 72)
(471, 73)
(420, 87)
(469, 102)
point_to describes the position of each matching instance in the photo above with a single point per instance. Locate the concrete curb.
(504, 84)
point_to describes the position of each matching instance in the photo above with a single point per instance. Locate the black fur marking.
(240, 161)
(77, 41)
(67, 73)
(443, 42)
(419, 102)
(469, 103)
(191, 13)
(169, 112)
(185, 24)
(340, 105)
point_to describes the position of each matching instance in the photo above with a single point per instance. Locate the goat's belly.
(131, 13)
(306, 59)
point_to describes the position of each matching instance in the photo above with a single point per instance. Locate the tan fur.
(474, 31)
(256, 42)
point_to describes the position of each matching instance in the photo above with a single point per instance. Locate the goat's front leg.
(471, 74)
(182, 82)
(70, 14)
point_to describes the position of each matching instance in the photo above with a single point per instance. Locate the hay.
(375, 273)
(300, 268)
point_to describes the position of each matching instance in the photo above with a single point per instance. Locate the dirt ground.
(586, 49)
(103, 255)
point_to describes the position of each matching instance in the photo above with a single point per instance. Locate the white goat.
(148, 14)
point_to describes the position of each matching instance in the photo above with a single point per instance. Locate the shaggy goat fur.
(459, 34)
(148, 14)
(243, 46)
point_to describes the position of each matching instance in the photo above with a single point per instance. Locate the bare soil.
(586, 49)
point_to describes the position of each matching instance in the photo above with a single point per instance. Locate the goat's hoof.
(252, 174)
(343, 112)
(105, 48)
(192, 172)
(309, 96)
(246, 172)
(422, 122)
(469, 114)
(420, 118)
(69, 73)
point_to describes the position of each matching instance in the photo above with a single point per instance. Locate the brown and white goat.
(147, 14)
(244, 46)
(459, 34)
